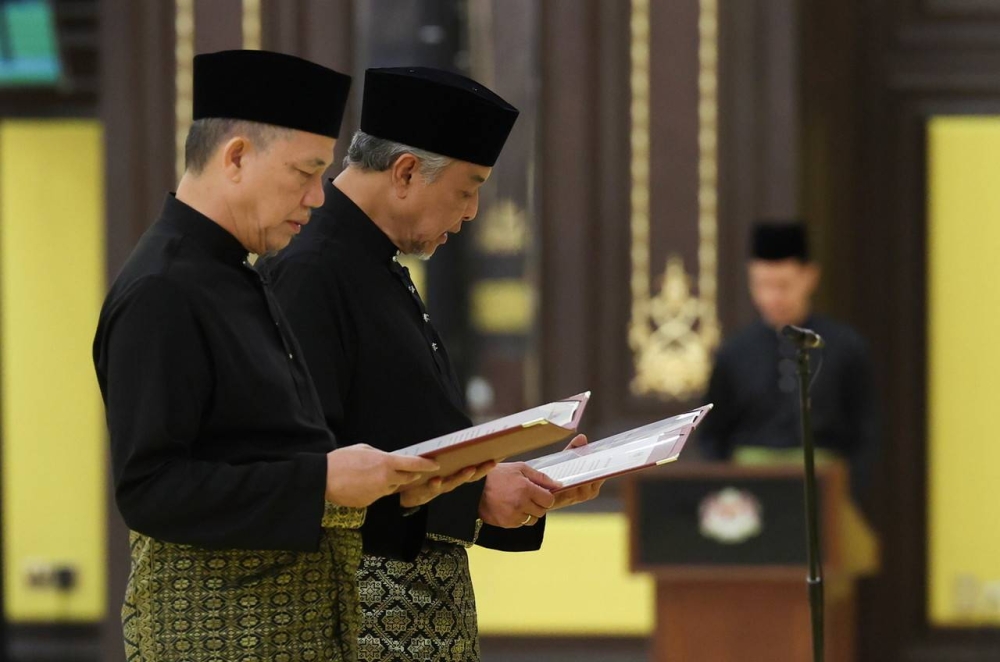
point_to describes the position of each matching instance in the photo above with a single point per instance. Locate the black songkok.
(437, 111)
(270, 88)
(779, 241)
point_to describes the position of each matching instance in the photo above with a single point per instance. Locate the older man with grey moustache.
(429, 140)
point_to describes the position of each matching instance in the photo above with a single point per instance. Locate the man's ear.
(403, 173)
(233, 154)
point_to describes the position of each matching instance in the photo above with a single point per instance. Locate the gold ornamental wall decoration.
(503, 229)
(251, 24)
(674, 331)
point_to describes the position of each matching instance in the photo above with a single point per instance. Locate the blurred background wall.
(608, 255)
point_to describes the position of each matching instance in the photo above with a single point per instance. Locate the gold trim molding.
(251, 25)
(183, 78)
(673, 332)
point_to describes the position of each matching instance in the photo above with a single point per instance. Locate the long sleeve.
(156, 372)
(521, 539)
(319, 314)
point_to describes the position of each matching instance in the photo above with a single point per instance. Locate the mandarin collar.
(209, 235)
(346, 217)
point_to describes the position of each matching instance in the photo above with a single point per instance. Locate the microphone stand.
(815, 578)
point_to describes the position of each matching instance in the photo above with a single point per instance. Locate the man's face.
(278, 188)
(440, 207)
(781, 290)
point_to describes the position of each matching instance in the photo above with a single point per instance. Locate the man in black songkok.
(428, 140)
(754, 383)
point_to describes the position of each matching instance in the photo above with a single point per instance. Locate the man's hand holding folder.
(516, 495)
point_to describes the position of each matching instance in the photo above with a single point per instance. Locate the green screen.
(29, 54)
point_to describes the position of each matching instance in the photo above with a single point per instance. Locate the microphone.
(806, 338)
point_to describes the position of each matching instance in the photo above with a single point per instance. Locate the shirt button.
(427, 318)
(290, 357)
(434, 346)
(395, 259)
(412, 289)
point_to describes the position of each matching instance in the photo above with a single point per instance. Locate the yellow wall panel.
(502, 305)
(963, 369)
(53, 440)
(577, 584)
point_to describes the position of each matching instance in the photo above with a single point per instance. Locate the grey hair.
(369, 152)
(208, 134)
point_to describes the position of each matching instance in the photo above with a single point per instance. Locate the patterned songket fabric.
(188, 604)
(418, 612)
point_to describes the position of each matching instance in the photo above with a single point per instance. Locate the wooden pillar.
(568, 166)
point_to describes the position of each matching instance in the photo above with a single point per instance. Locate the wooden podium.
(727, 547)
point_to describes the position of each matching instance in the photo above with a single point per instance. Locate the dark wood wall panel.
(612, 297)
(960, 25)
(568, 275)
(760, 133)
(823, 108)
(830, 115)
(673, 140)
(971, 9)
(137, 106)
(916, 59)
(318, 30)
(738, 156)
(893, 267)
(778, 99)
(218, 25)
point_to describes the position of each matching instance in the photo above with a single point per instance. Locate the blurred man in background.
(754, 383)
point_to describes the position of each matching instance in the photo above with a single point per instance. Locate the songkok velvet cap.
(436, 111)
(270, 88)
(774, 241)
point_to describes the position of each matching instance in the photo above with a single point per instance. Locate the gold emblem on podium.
(730, 516)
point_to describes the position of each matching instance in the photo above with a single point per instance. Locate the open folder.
(623, 453)
(505, 437)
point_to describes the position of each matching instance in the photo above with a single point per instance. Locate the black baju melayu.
(218, 448)
(384, 378)
(754, 387)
